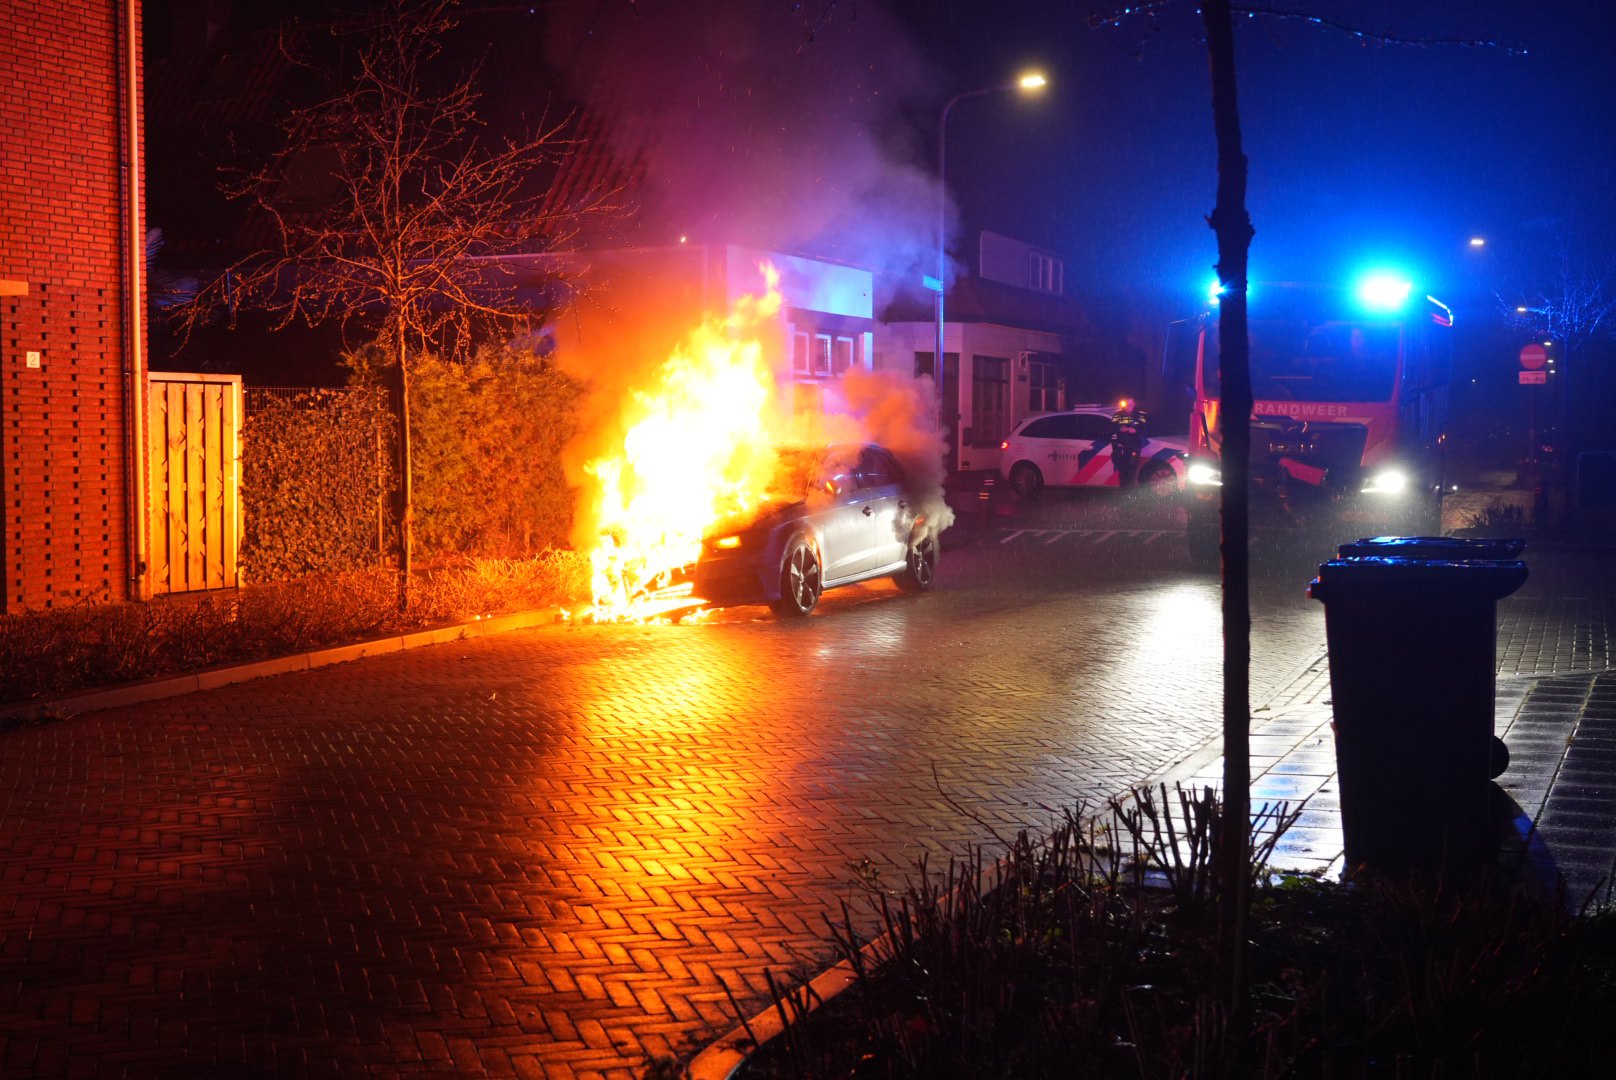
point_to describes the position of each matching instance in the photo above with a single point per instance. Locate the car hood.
(764, 515)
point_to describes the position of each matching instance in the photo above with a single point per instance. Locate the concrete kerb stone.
(722, 1059)
(114, 697)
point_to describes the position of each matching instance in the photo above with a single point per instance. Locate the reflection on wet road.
(555, 849)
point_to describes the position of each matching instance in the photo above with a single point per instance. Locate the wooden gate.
(195, 496)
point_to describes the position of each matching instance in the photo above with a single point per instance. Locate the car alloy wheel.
(922, 569)
(799, 580)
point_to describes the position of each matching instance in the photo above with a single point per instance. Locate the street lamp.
(1029, 83)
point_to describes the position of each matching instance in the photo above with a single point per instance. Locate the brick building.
(71, 252)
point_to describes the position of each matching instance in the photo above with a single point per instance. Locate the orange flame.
(698, 447)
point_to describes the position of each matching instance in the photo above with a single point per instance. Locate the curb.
(721, 1059)
(212, 678)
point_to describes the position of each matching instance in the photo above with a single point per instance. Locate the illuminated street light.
(1478, 241)
(1031, 82)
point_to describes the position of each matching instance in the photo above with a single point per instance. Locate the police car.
(1073, 449)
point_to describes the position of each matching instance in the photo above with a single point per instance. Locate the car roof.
(1082, 410)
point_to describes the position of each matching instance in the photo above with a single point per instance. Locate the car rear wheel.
(800, 584)
(918, 576)
(1026, 480)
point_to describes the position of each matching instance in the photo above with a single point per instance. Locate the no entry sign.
(1534, 356)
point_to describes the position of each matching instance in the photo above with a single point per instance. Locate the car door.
(1074, 450)
(845, 521)
(887, 506)
(1089, 464)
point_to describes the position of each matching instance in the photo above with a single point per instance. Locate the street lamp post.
(1028, 83)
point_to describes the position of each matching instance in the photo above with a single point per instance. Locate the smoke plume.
(751, 123)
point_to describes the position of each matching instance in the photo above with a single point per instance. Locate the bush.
(485, 440)
(1063, 960)
(313, 473)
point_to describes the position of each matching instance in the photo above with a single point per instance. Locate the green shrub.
(486, 438)
(313, 473)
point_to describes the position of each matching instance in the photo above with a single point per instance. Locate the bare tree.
(393, 208)
(1231, 223)
(1571, 300)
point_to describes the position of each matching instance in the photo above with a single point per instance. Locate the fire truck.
(1350, 391)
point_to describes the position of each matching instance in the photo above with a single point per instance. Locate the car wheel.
(1026, 480)
(1159, 480)
(918, 576)
(799, 580)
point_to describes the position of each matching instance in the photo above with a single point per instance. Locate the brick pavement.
(547, 853)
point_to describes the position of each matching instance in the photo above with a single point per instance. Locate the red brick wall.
(62, 445)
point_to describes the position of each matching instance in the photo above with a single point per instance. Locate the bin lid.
(1418, 579)
(1433, 547)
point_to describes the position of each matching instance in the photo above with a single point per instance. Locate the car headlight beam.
(1203, 474)
(1386, 482)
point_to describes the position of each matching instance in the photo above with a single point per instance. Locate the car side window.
(1047, 428)
(876, 469)
(1092, 427)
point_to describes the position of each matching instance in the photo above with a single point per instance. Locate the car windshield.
(800, 470)
(1338, 361)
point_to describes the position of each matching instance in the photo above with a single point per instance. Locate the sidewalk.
(1561, 779)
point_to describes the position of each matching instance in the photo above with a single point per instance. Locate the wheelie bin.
(1412, 631)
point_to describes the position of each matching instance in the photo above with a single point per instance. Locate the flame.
(699, 446)
(696, 440)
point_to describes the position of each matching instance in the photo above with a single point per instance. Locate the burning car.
(835, 515)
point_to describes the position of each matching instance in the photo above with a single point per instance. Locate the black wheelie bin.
(1411, 624)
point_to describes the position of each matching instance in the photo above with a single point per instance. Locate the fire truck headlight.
(1203, 474)
(1386, 482)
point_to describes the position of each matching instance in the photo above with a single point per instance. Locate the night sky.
(812, 126)
(1359, 151)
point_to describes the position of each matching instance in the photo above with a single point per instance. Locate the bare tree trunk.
(1232, 225)
(406, 509)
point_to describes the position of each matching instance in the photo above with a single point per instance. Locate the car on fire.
(838, 514)
(1073, 449)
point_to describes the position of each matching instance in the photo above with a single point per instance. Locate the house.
(72, 247)
(1014, 343)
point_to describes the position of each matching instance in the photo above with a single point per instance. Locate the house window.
(1043, 388)
(990, 400)
(1045, 273)
(799, 352)
(841, 355)
(822, 346)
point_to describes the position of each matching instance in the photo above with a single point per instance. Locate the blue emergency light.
(1216, 291)
(1384, 292)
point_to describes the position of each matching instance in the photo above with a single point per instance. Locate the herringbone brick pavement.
(548, 853)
